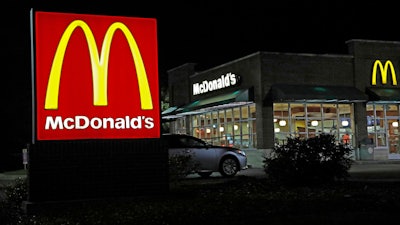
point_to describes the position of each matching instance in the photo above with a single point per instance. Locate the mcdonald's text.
(222, 82)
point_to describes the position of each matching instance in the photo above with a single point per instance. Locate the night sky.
(209, 33)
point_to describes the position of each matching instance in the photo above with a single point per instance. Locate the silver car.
(228, 161)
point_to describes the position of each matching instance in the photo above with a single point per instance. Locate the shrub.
(308, 161)
(11, 201)
(180, 166)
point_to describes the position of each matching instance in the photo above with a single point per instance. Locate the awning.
(383, 94)
(233, 98)
(169, 110)
(169, 114)
(236, 96)
(316, 93)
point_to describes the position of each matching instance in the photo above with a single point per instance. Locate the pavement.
(365, 171)
(372, 170)
(388, 170)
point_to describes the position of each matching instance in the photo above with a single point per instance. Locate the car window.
(190, 142)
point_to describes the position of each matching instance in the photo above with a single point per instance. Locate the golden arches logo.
(99, 65)
(384, 70)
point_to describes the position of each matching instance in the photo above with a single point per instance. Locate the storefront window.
(330, 115)
(179, 126)
(346, 123)
(392, 115)
(214, 128)
(281, 122)
(314, 119)
(306, 120)
(227, 127)
(376, 125)
(383, 126)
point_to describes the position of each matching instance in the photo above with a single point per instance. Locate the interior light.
(277, 130)
(221, 129)
(275, 120)
(208, 130)
(395, 124)
(235, 127)
(314, 123)
(345, 123)
(282, 123)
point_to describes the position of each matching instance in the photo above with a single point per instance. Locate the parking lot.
(360, 170)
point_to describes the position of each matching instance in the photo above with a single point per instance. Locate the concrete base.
(255, 158)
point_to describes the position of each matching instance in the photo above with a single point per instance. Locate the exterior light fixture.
(395, 124)
(345, 123)
(282, 123)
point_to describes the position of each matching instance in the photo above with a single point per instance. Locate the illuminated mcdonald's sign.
(89, 91)
(99, 65)
(383, 71)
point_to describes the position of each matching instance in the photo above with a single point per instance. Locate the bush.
(11, 202)
(180, 166)
(308, 161)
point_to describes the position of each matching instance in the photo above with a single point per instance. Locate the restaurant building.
(259, 100)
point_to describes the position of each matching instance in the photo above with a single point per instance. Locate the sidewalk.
(361, 170)
(387, 170)
(10, 176)
(255, 159)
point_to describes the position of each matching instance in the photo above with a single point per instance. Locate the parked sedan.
(228, 161)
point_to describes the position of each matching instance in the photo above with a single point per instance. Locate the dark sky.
(209, 33)
(214, 32)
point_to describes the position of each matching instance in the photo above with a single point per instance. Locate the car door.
(202, 153)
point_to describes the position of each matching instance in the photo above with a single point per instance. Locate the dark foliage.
(180, 166)
(308, 161)
(239, 200)
(11, 201)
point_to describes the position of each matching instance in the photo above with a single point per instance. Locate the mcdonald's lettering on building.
(95, 77)
(385, 70)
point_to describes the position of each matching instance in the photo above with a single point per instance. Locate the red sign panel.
(96, 77)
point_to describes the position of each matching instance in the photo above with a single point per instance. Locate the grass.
(20, 172)
(240, 200)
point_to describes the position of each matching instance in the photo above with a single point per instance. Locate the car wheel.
(228, 167)
(204, 174)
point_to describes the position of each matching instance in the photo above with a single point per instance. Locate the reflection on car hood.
(228, 148)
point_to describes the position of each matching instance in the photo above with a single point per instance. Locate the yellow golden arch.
(99, 65)
(383, 69)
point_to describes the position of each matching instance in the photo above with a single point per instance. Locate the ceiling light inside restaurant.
(314, 123)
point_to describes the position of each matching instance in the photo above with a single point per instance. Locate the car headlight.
(240, 152)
